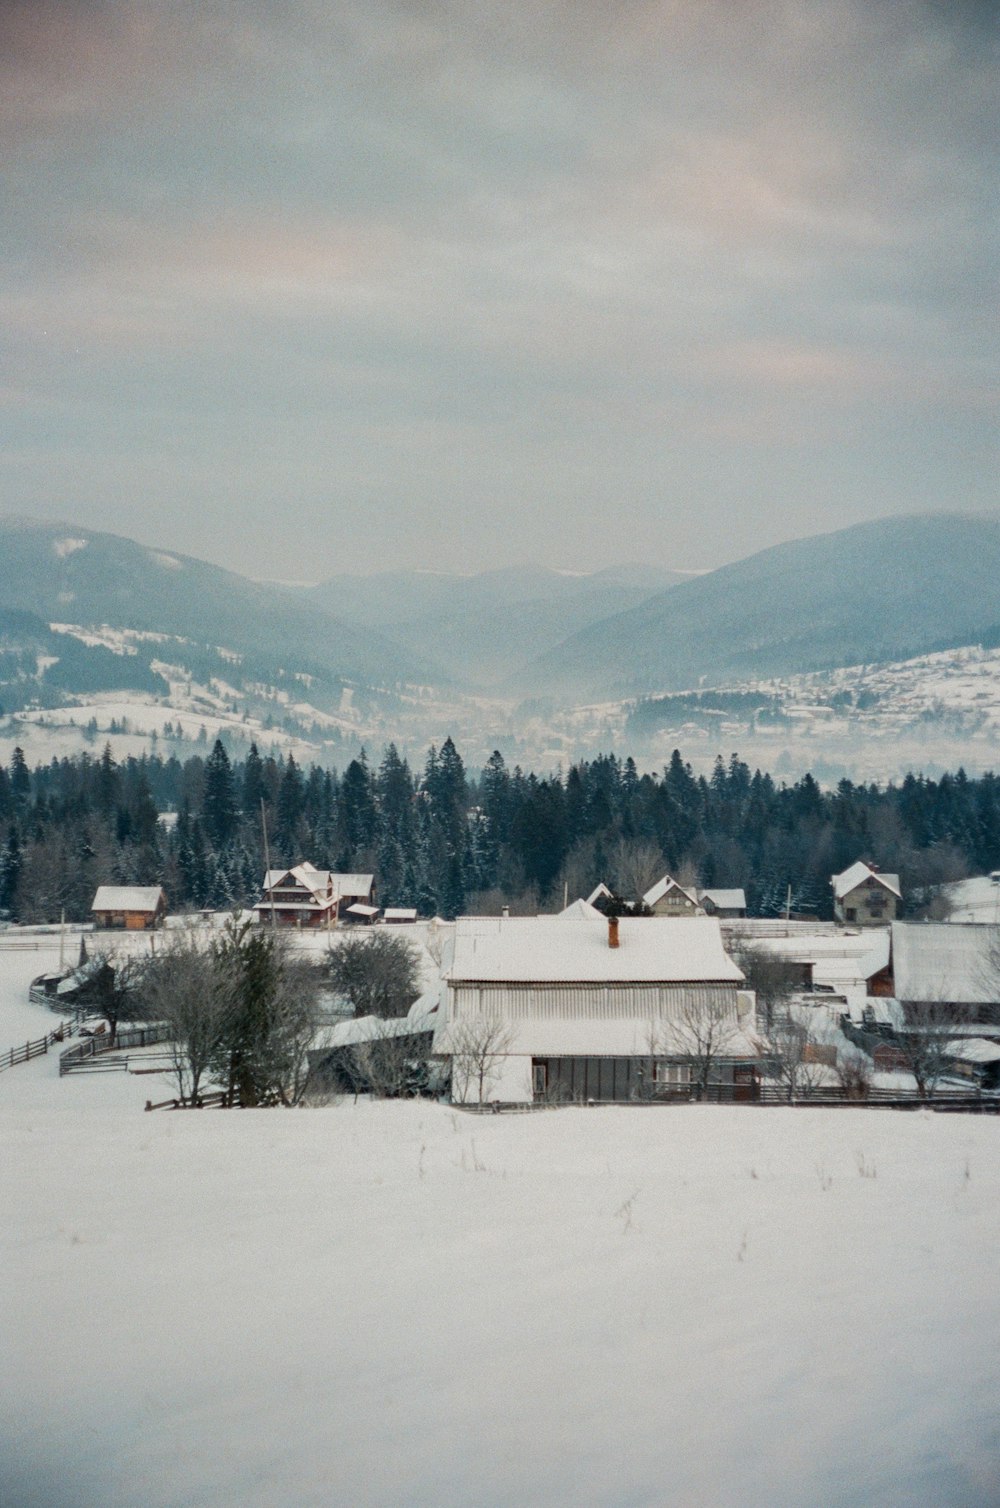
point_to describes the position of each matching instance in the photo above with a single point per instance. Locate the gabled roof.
(581, 911)
(400, 913)
(353, 885)
(725, 900)
(128, 898)
(554, 950)
(599, 893)
(302, 877)
(324, 884)
(660, 889)
(856, 875)
(946, 961)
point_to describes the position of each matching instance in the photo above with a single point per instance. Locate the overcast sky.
(307, 287)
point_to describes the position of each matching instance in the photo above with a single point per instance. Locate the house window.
(672, 1075)
(851, 914)
(540, 1076)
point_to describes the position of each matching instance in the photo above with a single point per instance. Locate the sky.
(319, 286)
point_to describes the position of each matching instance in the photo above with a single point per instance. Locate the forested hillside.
(447, 842)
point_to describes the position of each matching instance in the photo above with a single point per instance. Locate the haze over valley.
(782, 656)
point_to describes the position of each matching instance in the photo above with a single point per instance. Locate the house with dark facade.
(305, 896)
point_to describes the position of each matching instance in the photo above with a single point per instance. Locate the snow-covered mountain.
(63, 573)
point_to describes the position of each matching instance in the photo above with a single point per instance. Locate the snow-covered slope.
(397, 1303)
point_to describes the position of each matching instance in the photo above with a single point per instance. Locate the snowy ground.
(400, 1304)
(975, 900)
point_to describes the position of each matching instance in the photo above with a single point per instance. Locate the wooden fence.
(37, 1048)
(893, 1099)
(219, 1099)
(85, 1053)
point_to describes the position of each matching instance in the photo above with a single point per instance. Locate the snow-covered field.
(401, 1304)
(975, 900)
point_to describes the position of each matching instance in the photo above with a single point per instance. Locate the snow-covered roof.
(725, 900)
(554, 949)
(359, 910)
(421, 1017)
(974, 1050)
(857, 873)
(304, 876)
(599, 893)
(947, 961)
(127, 898)
(659, 890)
(835, 955)
(400, 913)
(581, 910)
(324, 884)
(345, 885)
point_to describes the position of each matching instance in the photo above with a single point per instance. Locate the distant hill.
(62, 573)
(877, 591)
(479, 627)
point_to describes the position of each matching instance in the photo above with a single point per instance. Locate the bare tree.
(390, 1063)
(773, 979)
(706, 1029)
(854, 1073)
(635, 866)
(478, 1046)
(186, 988)
(791, 1059)
(925, 1038)
(115, 985)
(377, 971)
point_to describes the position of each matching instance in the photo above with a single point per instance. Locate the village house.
(728, 905)
(668, 898)
(132, 908)
(862, 897)
(950, 965)
(584, 1008)
(309, 897)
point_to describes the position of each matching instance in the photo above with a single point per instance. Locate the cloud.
(468, 261)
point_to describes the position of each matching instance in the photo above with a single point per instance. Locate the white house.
(578, 1007)
(864, 897)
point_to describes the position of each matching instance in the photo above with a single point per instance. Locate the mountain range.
(476, 628)
(882, 590)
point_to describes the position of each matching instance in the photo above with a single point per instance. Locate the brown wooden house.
(129, 908)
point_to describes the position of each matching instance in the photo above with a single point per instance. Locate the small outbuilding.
(129, 908)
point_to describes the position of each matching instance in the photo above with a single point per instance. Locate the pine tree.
(20, 780)
(218, 801)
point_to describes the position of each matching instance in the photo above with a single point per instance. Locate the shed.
(134, 908)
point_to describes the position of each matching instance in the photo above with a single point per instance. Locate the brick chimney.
(612, 932)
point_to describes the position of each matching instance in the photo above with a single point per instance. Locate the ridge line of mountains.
(883, 590)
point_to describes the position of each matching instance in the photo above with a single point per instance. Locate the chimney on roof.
(612, 932)
(505, 911)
